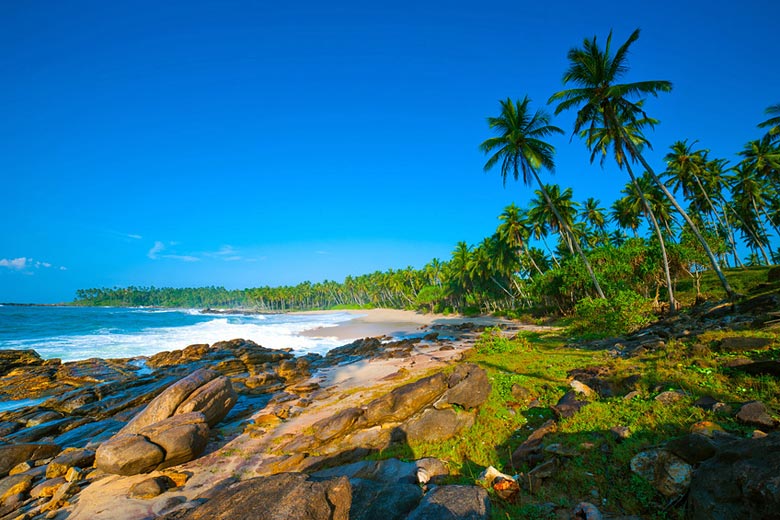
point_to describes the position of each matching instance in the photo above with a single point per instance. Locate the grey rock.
(453, 503)
(754, 413)
(437, 425)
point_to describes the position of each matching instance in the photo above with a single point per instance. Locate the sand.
(391, 322)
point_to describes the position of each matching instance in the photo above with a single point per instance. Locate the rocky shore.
(204, 431)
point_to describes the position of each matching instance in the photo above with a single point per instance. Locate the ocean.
(74, 333)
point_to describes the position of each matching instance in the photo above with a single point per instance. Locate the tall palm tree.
(556, 212)
(521, 148)
(748, 192)
(514, 230)
(773, 123)
(604, 105)
(625, 213)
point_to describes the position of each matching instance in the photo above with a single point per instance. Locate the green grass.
(599, 472)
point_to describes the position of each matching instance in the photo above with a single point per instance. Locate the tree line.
(596, 252)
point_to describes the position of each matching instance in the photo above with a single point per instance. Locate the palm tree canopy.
(604, 104)
(519, 145)
(773, 123)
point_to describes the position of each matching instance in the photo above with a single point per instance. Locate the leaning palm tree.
(773, 123)
(605, 105)
(521, 148)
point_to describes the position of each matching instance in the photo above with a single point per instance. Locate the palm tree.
(604, 106)
(556, 212)
(773, 123)
(520, 148)
(625, 213)
(592, 214)
(514, 230)
(748, 191)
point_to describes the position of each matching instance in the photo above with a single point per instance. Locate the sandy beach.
(392, 322)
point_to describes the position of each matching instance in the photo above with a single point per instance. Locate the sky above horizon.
(244, 144)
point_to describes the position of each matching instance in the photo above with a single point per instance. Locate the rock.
(214, 400)
(21, 468)
(533, 444)
(740, 481)
(90, 433)
(437, 425)
(151, 487)
(65, 491)
(669, 397)
(568, 405)
(80, 458)
(128, 454)
(502, 484)
(339, 424)
(47, 488)
(453, 502)
(13, 485)
(620, 432)
(754, 413)
(165, 404)
(36, 433)
(586, 511)
(468, 386)
(742, 343)
(522, 394)
(74, 474)
(392, 471)
(707, 428)
(372, 500)
(770, 367)
(668, 473)
(11, 359)
(582, 388)
(182, 437)
(291, 496)
(402, 402)
(692, 448)
(13, 454)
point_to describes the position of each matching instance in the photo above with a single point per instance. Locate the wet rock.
(437, 425)
(13, 454)
(468, 387)
(754, 413)
(568, 405)
(740, 481)
(11, 359)
(453, 502)
(292, 496)
(151, 487)
(89, 434)
(668, 473)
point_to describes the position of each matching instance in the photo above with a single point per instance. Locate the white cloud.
(227, 253)
(25, 264)
(16, 263)
(155, 250)
(134, 236)
(183, 258)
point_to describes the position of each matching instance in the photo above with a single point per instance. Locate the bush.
(623, 314)
(492, 341)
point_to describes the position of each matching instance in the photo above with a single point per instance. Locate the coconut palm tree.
(605, 105)
(773, 123)
(521, 148)
(556, 211)
(625, 213)
(748, 192)
(514, 230)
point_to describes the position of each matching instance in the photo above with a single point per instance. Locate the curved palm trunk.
(657, 229)
(729, 234)
(751, 232)
(714, 261)
(568, 233)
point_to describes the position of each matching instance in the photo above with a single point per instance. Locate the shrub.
(622, 314)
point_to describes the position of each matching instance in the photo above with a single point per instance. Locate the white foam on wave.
(278, 332)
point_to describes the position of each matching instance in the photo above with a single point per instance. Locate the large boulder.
(166, 404)
(389, 501)
(11, 359)
(740, 481)
(166, 443)
(437, 425)
(292, 496)
(214, 400)
(468, 387)
(405, 401)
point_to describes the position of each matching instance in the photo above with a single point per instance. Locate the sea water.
(74, 333)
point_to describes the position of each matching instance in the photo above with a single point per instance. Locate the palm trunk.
(657, 229)
(714, 261)
(576, 242)
(751, 232)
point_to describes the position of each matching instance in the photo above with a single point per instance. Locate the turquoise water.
(73, 333)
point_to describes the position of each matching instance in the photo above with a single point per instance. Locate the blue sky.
(245, 144)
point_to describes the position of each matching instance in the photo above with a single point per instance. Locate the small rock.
(151, 487)
(669, 397)
(754, 413)
(741, 343)
(620, 432)
(665, 471)
(13, 485)
(74, 474)
(631, 395)
(707, 428)
(586, 511)
(21, 468)
(47, 488)
(582, 388)
(568, 405)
